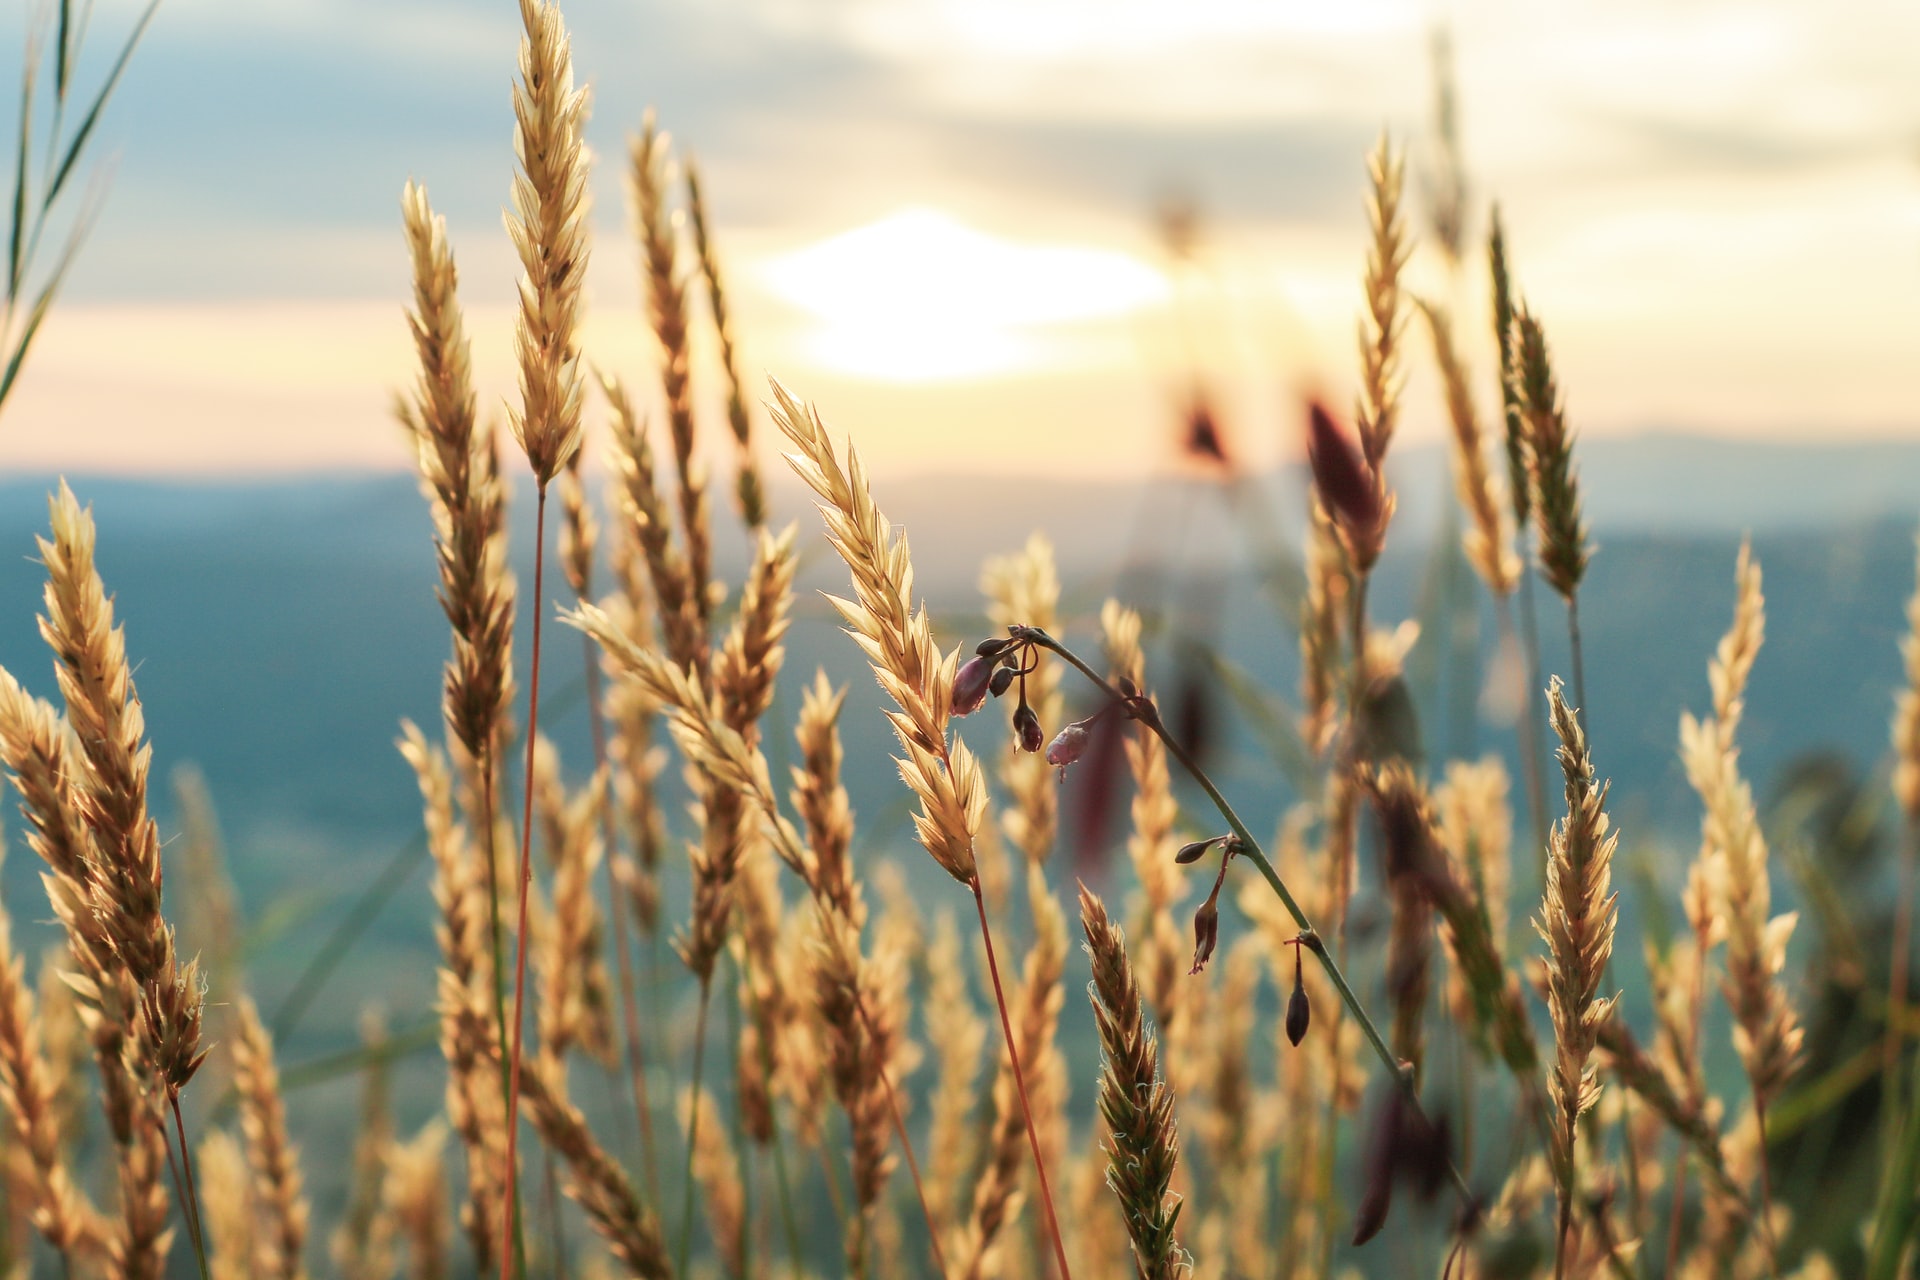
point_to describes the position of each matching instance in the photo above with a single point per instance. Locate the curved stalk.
(1148, 714)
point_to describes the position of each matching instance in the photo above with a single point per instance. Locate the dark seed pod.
(1299, 1012)
(1195, 850)
(1026, 729)
(995, 647)
(1002, 678)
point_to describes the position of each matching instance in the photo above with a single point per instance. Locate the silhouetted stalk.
(511, 1260)
(1143, 709)
(1013, 1055)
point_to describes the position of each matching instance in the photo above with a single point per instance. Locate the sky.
(938, 217)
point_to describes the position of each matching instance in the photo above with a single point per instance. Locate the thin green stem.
(514, 1261)
(693, 1125)
(1148, 714)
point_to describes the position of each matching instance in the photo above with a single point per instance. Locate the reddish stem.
(1020, 1084)
(510, 1177)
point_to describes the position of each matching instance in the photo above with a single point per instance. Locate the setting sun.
(920, 296)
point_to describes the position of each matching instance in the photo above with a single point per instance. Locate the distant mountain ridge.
(283, 627)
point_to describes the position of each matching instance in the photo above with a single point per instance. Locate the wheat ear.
(549, 229)
(475, 1102)
(898, 642)
(1136, 1106)
(46, 768)
(271, 1155)
(1576, 921)
(416, 1195)
(109, 730)
(1488, 541)
(651, 180)
(748, 491)
(1564, 549)
(233, 1246)
(58, 1208)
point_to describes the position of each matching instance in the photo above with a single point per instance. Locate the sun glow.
(920, 297)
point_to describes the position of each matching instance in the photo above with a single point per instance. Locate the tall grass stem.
(514, 1261)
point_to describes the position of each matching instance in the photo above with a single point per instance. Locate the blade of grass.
(87, 123)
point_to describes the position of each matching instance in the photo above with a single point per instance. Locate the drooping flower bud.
(970, 685)
(1026, 729)
(1206, 934)
(1002, 680)
(1067, 745)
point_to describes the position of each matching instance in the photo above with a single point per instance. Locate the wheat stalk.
(415, 1193)
(651, 180)
(719, 1176)
(549, 230)
(58, 1208)
(1136, 1107)
(1576, 920)
(957, 1035)
(111, 790)
(1488, 541)
(898, 642)
(679, 601)
(747, 487)
(576, 1004)
(233, 1246)
(272, 1158)
(474, 1102)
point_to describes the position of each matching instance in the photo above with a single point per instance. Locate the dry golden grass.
(1136, 1107)
(1576, 920)
(832, 1001)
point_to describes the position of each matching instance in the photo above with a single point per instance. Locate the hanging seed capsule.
(1299, 1010)
(1002, 678)
(970, 685)
(1195, 850)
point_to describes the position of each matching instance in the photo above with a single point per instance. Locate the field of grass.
(1419, 1012)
